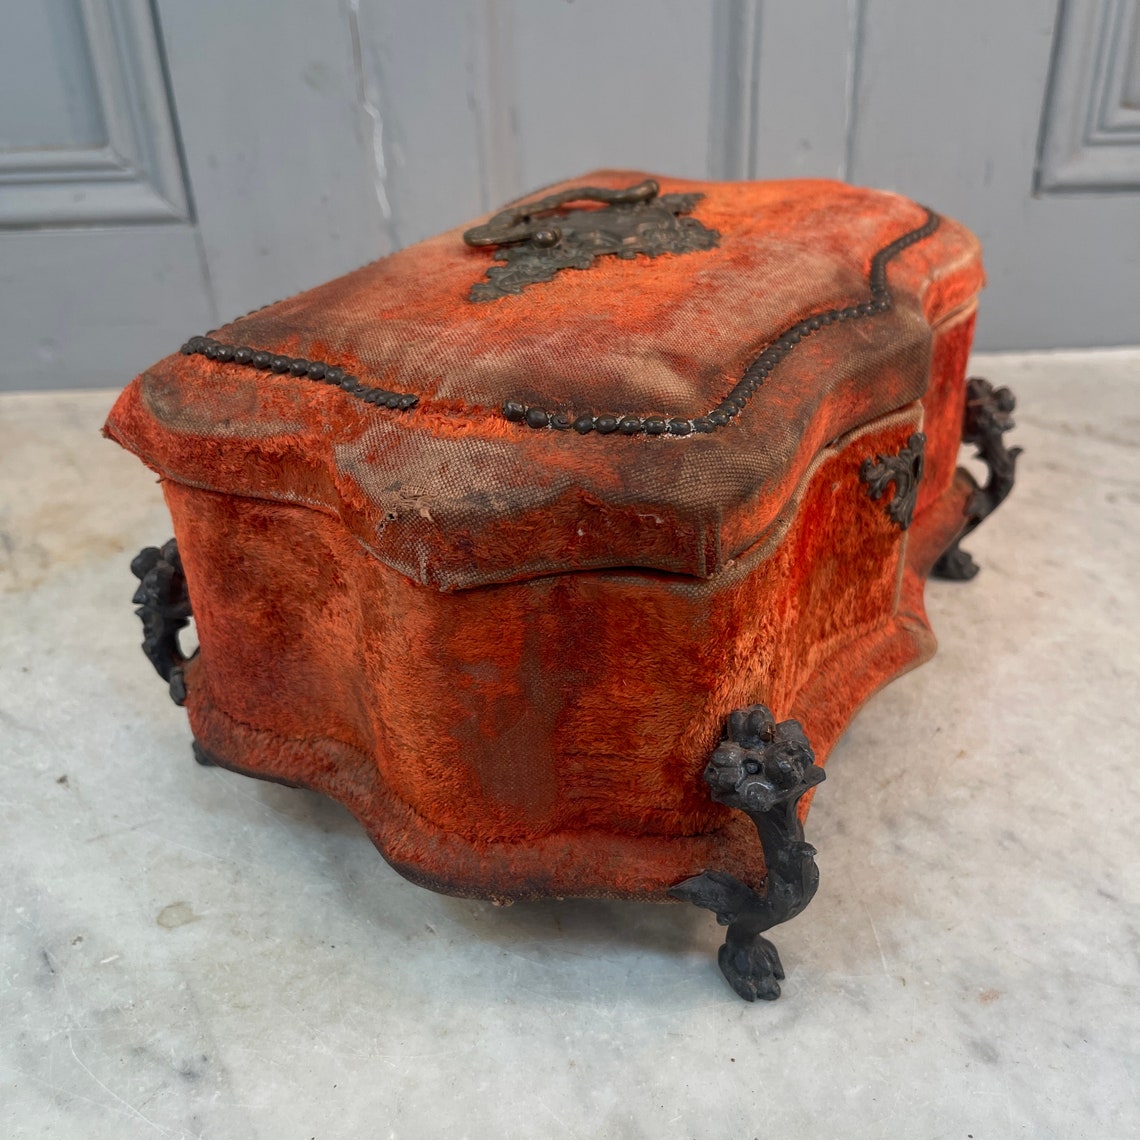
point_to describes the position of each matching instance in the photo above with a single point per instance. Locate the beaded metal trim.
(297, 366)
(723, 414)
(586, 422)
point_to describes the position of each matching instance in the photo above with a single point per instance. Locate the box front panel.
(576, 703)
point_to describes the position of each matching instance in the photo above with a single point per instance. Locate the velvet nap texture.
(510, 652)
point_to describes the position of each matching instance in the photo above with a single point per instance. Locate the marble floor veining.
(188, 953)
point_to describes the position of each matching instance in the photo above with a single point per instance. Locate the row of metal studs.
(518, 412)
(299, 367)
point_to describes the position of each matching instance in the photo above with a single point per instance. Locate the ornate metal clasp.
(536, 246)
(904, 471)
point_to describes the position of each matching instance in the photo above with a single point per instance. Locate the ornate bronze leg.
(762, 768)
(987, 418)
(164, 608)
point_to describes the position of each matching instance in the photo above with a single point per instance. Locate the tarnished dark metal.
(904, 471)
(301, 369)
(988, 416)
(762, 768)
(536, 245)
(164, 608)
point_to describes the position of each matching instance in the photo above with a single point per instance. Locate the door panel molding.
(136, 175)
(784, 103)
(1090, 136)
(735, 75)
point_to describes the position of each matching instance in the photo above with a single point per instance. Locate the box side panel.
(945, 401)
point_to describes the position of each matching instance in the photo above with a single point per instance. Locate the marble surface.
(188, 953)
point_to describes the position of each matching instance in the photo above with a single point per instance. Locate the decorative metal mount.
(904, 471)
(164, 607)
(635, 220)
(762, 768)
(988, 416)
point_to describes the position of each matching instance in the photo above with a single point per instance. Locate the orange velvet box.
(562, 550)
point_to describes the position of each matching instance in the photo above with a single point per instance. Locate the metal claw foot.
(987, 418)
(762, 768)
(164, 608)
(754, 971)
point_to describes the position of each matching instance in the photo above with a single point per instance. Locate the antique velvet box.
(561, 550)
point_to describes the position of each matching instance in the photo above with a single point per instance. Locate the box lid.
(580, 409)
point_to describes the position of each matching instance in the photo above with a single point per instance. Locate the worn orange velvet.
(508, 651)
(453, 495)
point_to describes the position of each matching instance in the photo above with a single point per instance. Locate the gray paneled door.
(165, 165)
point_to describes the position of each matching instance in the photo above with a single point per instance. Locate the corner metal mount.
(988, 416)
(763, 769)
(164, 609)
